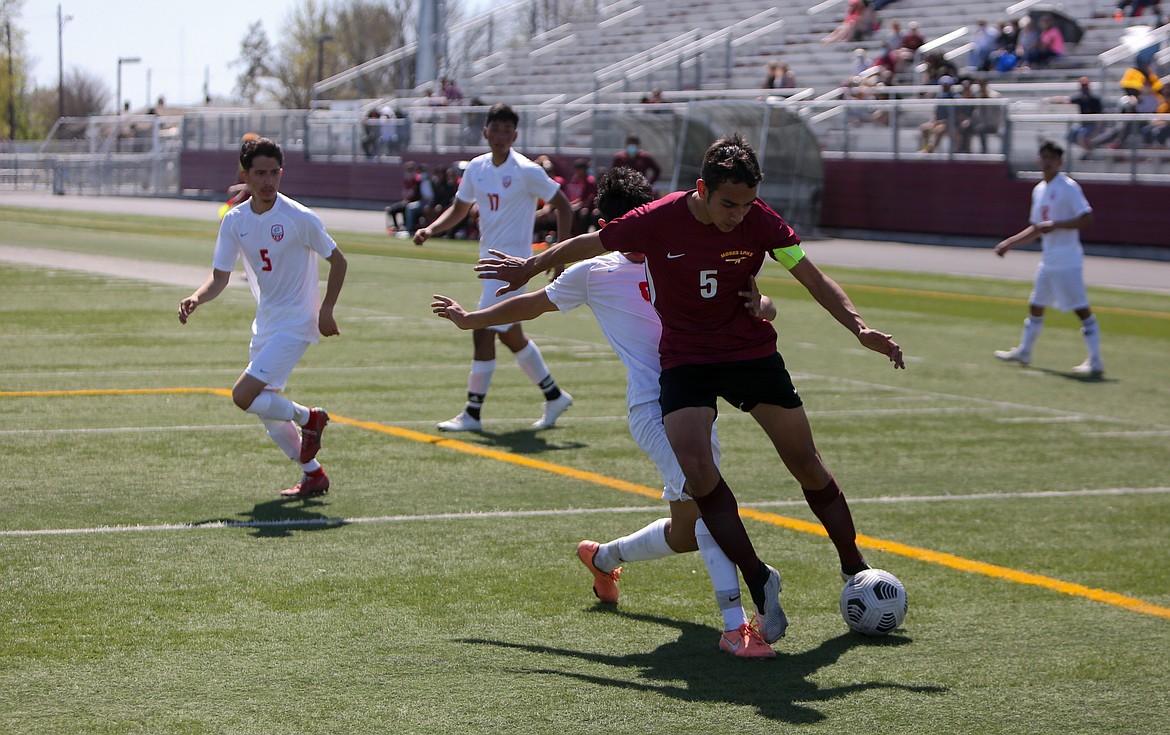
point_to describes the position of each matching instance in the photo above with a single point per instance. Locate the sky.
(178, 42)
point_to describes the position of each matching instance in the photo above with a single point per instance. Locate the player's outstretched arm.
(517, 309)
(516, 272)
(1023, 237)
(212, 287)
(829, 294)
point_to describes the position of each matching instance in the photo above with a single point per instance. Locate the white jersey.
(1059, 200)
(279, 249)
(507, 197)
(616, 290)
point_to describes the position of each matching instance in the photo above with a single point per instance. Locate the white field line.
(128, 429)
(474, 516)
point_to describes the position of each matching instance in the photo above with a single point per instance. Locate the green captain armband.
(789, 256)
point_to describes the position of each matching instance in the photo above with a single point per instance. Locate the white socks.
(1032, 328)
(288, 438)
(532, 362)
(724, 578)
(1092, 337)
(650, 543)
(642, 545)
(271, 405)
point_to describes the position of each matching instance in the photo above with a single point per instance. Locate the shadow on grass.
(526, 441)
(1067, 375)
(279, 518)
(779, 689)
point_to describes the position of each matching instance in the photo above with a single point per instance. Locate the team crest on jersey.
(736, 256)
(506, 180)
(278, 232)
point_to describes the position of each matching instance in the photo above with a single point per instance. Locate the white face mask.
(631, 150)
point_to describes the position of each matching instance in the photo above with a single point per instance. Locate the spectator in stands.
(545, 225)
(1004, 58)
(410, 193)
(1137, 7)
(1050, 44)
(634, 157)
(581, 189)
(984, 41)
(937, 67)
(779, 76)
(450, 91)
(655, 97)
(1136, 78)
(1121, 134)
(371, 133)
(986, 120)
(913, 39)
(860, 63)
(426, 195)
(1027, 40)
(1158, 131)
(443, 184)
(933, 130)
(1087, 103)
(858, 23)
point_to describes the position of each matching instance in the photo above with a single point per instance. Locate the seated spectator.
(444, 184)
(986, 120)
(937, 67)
(581, 190)
(1003, 58)
(984, 41)
(779, 76)
(452, 95)
(655, 97)
(1137, 77)
(1137, 7)
(1087, 103)
(632, 156)
(933, 130)
(860, 63)
(410, 193)
(546, 215)
(1121, 134)
(1050, 44)
(426, 195)
(1027, 40)
(913, 38)
(858, 23)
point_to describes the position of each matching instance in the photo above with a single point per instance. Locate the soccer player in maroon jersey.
(702, 248)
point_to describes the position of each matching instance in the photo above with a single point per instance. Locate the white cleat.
(553, 410)
(1014, 356)
(462, 422)
(1088, 370)
(772, 620)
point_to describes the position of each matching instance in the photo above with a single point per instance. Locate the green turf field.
(154, 582)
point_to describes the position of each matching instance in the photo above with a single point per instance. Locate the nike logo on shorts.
(672, 256)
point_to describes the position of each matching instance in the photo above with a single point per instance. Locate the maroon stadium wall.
(931, 197)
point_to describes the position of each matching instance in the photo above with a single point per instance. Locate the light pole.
(124, 60)
(61, 21)
(320, 60)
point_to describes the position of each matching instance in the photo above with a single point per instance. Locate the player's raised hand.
(883, 343)
(449, 308)
(513, 271)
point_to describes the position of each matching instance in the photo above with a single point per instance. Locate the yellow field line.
(867, 542)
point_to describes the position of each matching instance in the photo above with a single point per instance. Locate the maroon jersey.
(696, 272)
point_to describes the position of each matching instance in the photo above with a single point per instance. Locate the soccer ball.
(873, 602)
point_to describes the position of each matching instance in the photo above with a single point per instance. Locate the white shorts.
(649, 434)
(489, 298)
(1063, 288)
(273, 359)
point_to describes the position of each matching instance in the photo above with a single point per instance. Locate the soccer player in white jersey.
(506, 186)
(279, 241)
(1059, 212)
(614, 286)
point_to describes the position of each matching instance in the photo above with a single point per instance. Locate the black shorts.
(743, 383)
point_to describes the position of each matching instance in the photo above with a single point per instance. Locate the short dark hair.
(1051, 146)
(259, 147)
(620, 190)
(501, 112)
(730, 159)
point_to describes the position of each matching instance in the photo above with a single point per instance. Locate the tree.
(84, 94)
(15, 72)
(255, 50)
